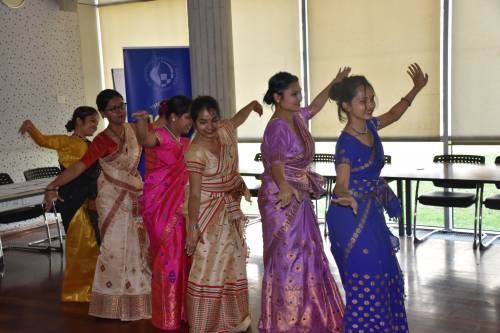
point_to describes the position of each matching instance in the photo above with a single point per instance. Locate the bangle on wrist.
(194, 227)
(406, 100)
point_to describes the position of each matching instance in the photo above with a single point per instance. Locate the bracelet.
(51, 189)
(406, 100)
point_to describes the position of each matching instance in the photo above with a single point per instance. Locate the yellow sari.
(81, 247)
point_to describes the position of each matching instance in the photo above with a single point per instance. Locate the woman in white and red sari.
(217, 295)
(122, 281)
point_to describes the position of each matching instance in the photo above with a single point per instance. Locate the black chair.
(253, 184)
(329, 183)
(447, 198)
(40, 173)
(492, 202)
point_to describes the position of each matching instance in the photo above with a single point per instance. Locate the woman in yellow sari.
(78, 209)
(217, 294)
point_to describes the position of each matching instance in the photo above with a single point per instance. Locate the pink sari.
(163, 197)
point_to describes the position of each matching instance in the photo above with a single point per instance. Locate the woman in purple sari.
(162, 200)
(299, 293)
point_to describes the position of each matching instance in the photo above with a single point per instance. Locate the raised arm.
(419, 81)
(319, 101)
(145, 137)
(241, 116)
(47, 141)
(68, 175)
(341, 189)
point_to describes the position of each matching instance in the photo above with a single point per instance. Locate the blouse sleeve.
(47, 141)
(343, 153)
(195, 159)
(100, 147)
(374, 122)
(276, 141)
(306, 113)
(227, 126)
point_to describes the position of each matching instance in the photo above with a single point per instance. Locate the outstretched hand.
(257, 107)
(25, 127)
(141, 115)
(342, 74)
(418, 77)
(49, 198)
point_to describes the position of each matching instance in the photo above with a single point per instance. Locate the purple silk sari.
(299, 293)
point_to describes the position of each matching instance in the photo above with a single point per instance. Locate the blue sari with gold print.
(362, 244)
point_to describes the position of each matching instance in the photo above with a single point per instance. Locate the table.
(24, 194)
(406, 173)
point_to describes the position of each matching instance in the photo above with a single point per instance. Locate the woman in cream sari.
(122, 281)
(217, 295)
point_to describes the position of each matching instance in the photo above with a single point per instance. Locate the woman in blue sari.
(362, 245)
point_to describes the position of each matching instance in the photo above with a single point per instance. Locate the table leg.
(408, 214)
(401, 225)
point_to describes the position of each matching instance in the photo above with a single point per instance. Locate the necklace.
(78, 136)
(358, 133)
(175, 137)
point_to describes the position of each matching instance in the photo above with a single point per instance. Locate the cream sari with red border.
(122, 281)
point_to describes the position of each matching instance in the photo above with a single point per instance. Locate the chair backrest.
(497, 162)
(465, 159)
(40, 173)
(387, 159)
(469, 159)
(328, 158)
(258, 157)
(5, 179)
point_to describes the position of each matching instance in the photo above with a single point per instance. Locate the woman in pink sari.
(162, 200)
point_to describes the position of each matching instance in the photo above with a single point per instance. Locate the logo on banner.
(160, 73)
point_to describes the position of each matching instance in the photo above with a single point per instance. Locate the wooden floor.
(450, 288)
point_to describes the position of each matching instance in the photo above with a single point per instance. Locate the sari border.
(358, 230)
(112, 212)
(123, 307)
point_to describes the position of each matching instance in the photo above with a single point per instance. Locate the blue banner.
(153, 74)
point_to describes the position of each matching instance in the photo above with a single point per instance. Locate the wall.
(40, 60)
(140, 24)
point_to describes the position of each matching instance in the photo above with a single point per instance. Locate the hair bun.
(268, 98)
(70, 125)
(335, 91)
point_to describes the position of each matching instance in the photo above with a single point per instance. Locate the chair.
(329, 183)
(39, 173)
(492, 202)
(447, 198)
(253, 184)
